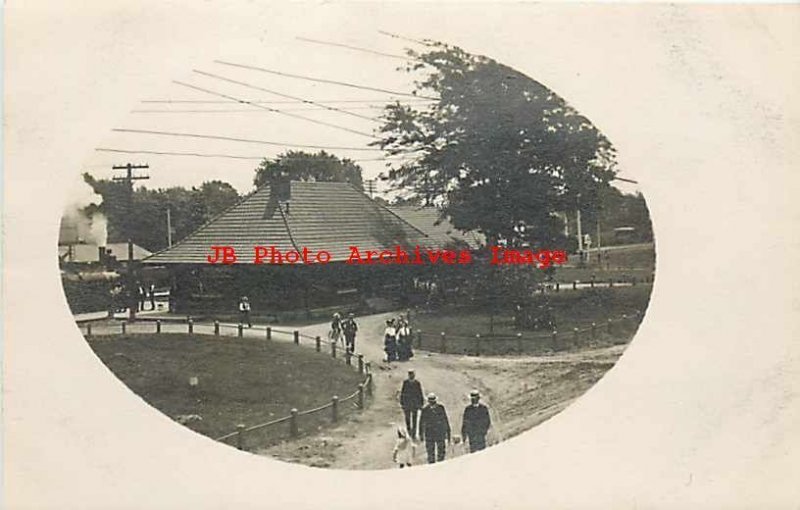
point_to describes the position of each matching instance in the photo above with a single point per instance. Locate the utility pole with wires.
(133, 301)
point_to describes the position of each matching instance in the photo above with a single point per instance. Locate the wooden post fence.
(318, 342)
(443, 343)
(594, 331)
(190, 322)
(519, 343)
(575, 335)
(333, 349)
(241, 329)
(158, 326)
(555, 340)
(348, 357)
(360, 363)
(240, 436)
(269, 333)
(293, 430)
(477, 344)
(216, 328)
(124, 328)
(296, 337)
(89, 329)
(361, 395)
(335, 409)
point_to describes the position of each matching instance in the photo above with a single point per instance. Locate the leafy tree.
(498, 151)
(189, 209)
(305, 166)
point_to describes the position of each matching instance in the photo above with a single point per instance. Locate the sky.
(205, 104)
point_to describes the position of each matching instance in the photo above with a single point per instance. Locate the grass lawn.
(240, 380)
(571, 309)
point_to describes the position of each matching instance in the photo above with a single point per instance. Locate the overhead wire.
(355, 48)
(213, 155)
(323, 80)
(293, 115)
(305, 101)
(245, 140)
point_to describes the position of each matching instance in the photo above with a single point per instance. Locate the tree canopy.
(498, 151)
(189, 209)
(304, 166)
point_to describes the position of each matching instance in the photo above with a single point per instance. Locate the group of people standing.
(430, 423)
(397, 340)
(344, 331)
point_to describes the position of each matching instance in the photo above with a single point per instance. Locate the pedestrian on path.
(335, 333)
(244, 311)
(152, 294)
(349, 328)
(434, 429)
(404, 449)
(475, 423)
(411, 401)
(390, 341)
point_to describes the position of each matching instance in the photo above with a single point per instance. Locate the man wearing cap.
(434, 429)
(476, 422)
(411, 401)
(349, 328)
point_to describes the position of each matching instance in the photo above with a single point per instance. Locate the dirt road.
(520, 393)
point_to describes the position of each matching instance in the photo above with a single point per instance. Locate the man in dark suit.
(434, 428)
(411, 401)
(476, 423)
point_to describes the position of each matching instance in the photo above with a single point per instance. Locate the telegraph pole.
(133, 302)
(169, 228)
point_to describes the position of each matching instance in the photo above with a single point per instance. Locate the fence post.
(296, 337)
(555, 339)
(216, 328)
(594, 331)
(361, 395)
(519, 343)
(318, 341)
(348, 357)
(610, 282)
(443, 344)
(369, 384)
(633, 282)
(574, 284)
(575, 335)
(360, 363)
(333, 349)
(190, 324)
(124, 327)
(88, 329)
(158, 326)
(269, 332)
(240, 436)
(293, 423)
(240, 328)
(609, 326)
(558, 286)
(335, 409)
(477, 344)
(624, 319)
(419, 339)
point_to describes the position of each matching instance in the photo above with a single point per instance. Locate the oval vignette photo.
(365, 257)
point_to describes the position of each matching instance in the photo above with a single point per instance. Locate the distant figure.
(335, 334)
(434, 429)
(404, 449)
(349, 328)
(244, 311)
(411, 401)
(404, 350)
(172, 299)
(116, 299)
(141, 295)
(476, 423)
(152, 294)
(587, 241)
(390, 341)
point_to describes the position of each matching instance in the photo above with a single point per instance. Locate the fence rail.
(243, 432)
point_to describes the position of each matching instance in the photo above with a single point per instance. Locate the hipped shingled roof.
(331, 216)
